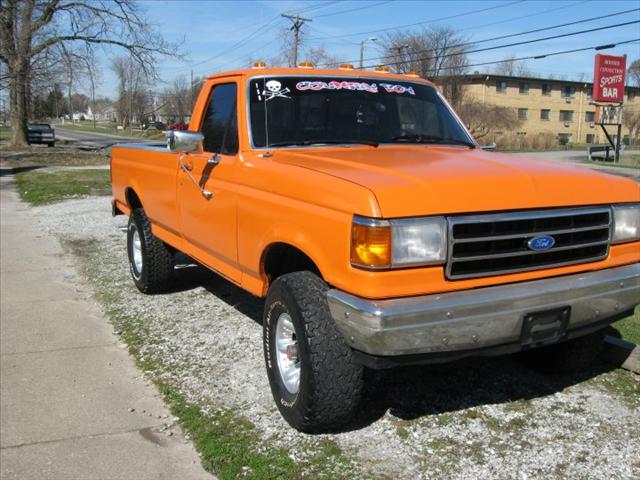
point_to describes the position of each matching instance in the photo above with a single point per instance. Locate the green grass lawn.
(629, 328)
(41, 187)
(626, 161)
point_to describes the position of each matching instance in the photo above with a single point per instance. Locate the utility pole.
(398, 49)
(372, 39)
(298, 21)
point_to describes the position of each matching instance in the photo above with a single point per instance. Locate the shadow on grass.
(15, 170)
(409, 393)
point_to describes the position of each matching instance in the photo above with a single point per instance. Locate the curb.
(621, 353)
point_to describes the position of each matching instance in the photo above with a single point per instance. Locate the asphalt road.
(98, 140)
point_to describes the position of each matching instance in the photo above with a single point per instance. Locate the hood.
(430, 180)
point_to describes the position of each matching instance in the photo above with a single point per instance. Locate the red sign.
(608, 78)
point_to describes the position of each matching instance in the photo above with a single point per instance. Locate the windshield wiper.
(321, 142)
(417, 138)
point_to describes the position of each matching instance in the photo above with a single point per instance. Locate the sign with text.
(608, 78)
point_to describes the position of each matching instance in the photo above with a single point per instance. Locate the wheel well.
(132, 199)
(282, 258)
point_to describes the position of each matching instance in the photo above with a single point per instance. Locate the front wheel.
(314, 378)
(150, 260)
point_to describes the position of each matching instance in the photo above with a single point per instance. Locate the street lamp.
(372, 39)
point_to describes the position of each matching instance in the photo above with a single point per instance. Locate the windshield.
(324, 110)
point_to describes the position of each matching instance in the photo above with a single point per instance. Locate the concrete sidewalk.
(72, 403)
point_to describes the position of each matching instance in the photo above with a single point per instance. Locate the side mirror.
(184, 141)
(489, 148)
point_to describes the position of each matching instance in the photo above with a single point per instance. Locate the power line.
(363, 7)
(536, 57)
(472, 12)
(314, 7)
(496, 47)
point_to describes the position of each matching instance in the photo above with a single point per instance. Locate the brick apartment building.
(550, 106)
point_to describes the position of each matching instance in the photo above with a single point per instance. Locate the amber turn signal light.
(371, 244)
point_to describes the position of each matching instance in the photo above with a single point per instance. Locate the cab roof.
(311, 71)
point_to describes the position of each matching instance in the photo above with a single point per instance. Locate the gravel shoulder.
(484, 418)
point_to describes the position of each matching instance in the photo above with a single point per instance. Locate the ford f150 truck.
(378, 231)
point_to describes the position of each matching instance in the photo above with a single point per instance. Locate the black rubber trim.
(380, 362)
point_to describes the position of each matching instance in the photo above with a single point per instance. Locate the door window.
(220, 125)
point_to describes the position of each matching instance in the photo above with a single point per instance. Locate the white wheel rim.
(136, 252)
(287, 354)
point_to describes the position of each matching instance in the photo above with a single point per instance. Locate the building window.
(501, 86)
(546, 89)
(631, 94)
(589, 117)
(523, 113)
(544, 114)
(590, 138)
(524, 88)
(568, 91)
(564, 138)
(589, 92)
(566, 115)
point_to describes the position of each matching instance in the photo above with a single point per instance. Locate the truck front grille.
(484, 245)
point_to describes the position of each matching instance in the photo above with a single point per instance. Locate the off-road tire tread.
(158, 261)
(338, 379)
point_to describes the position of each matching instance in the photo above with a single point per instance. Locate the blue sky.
(213, 30)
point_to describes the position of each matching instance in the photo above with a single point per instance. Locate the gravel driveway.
(486, 418)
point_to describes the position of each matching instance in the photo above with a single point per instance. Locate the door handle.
(186, 167)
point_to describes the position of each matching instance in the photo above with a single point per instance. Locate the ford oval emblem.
(543, 242)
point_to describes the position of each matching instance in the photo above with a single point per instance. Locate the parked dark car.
(41, 133)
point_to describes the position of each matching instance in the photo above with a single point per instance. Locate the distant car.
(42, 133)
(178, 126)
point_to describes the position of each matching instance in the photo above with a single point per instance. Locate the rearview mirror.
(184, 141)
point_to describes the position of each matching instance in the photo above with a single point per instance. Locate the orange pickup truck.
(379, 231)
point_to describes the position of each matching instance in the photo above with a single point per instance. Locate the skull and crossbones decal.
(273, 89)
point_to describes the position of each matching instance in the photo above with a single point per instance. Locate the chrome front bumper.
(480, 318)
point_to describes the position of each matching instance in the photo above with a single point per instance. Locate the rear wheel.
(150, 259)
(314, 378)
(566, 357)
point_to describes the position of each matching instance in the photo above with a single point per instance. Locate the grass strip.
(42, 187)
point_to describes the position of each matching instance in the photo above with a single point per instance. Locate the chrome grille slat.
(529, 252)
(483, 245)
(548, 232)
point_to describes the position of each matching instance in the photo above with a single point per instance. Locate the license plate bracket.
(545, 327)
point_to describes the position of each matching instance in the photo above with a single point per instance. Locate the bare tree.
(631, 120)
(437, 53)
(482, 119)
(633, 73)
(511, 67)
(28, 28)
(320, 57)
(176, 99)
(134, 98)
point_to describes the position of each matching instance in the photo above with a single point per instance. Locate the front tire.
(150, 260)
(314, 378)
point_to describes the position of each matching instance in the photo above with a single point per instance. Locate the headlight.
(398, 243)
(626, 223)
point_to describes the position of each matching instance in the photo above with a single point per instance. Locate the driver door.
(206, 196)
